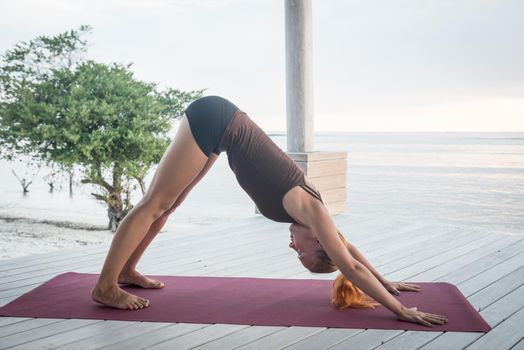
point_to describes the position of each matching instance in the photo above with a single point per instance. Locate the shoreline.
(468, 180)
(58, 223)
(22, 236)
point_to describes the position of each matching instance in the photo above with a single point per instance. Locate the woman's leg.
(180, 164)
(129, 273)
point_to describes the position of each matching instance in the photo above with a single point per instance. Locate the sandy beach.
(24, 236)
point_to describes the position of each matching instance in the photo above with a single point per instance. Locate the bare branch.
(100, 197)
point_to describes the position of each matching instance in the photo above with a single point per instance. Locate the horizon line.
(280, 132)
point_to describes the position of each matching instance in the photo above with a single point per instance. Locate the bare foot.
(137, 279)
(118, 298)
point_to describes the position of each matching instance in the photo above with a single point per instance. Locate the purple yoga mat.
(249, 301)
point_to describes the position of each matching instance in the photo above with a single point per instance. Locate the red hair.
(345, 294)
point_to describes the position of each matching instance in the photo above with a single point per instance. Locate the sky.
(378, 65)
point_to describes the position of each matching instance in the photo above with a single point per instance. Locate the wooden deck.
(488, 268)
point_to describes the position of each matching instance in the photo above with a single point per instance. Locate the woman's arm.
(355, 253)
(320, 221)
(392, 287)
(325, 229)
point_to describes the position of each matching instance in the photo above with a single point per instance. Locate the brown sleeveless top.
(262, 168)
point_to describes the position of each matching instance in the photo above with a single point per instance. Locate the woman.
(278, 187)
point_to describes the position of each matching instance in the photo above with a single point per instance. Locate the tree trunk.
(23, 182)
(118, 207)
(142, 184)
(116, 196)
(115, 217)
(71, 181)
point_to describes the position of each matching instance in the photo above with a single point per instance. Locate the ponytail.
(345, 294)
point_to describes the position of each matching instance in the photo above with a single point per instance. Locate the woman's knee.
(156, 207)
(171, 209)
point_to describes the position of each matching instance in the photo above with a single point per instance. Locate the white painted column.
(299, 76)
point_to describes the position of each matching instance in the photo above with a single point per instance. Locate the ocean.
(470, 179)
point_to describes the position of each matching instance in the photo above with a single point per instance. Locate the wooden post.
(299, 77)
(325, 170)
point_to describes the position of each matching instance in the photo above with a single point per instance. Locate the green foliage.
(95, 115)
(60, 110)
(32, 61)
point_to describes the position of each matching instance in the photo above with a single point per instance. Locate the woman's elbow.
(350, 268)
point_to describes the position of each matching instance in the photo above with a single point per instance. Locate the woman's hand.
(423, 318)
(396, 287)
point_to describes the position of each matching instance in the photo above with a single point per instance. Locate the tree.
(25, 184)
(97, 117)
(31, 62)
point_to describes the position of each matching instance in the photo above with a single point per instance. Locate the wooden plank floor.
(488, 268)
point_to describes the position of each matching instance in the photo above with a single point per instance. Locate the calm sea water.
(474, 179)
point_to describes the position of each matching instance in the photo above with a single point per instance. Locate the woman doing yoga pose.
(278, 187)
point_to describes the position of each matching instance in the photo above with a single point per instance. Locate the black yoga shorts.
(208, 118)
